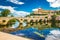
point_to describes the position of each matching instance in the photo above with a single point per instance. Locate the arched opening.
(31, 21)
(21, 19)
(46, 17)
(36, 21)
(13, 23)
(24, 22)
(44, 20)
(3, 21)
(40, 20)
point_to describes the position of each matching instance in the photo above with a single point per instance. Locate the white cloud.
(7, 7)
(15, 12)
(51, 0)
(54, 3)
(34, 9)
(16, 2)
(55, 32)
(21, 13)
(53, 35)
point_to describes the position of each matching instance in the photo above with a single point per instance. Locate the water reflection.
(24, 23)
(53, 35)
(58, 24)
(36, 34)
(36, 31)
(13, 23)
(39, 26)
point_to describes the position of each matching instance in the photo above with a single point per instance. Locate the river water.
(38, 31)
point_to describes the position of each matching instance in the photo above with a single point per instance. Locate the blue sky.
(29, 5)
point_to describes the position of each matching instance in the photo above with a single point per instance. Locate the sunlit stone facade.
(40, 13)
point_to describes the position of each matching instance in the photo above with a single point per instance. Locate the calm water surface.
(40, 31)
(37, 31)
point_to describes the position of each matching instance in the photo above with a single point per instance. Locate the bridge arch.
(36, 21)
(31, 21)
(40, 20)
(25, 20)
(13, 23)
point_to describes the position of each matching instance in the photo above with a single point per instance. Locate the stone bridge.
(4, 20)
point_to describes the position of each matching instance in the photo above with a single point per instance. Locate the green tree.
(5, 12)
(58, 12)
(53, 21)
(12, 21)
(31, 13)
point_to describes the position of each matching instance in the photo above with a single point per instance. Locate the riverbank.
(6, 36)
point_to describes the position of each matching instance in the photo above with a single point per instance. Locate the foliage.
(53, 17)
(11, 22)
(53, 21)
(30, 14)
(58, 12)
(5, 13)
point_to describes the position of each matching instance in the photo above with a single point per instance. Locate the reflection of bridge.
(4, 20)
(39, 26)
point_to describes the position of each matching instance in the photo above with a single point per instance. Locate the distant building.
(43, 14)
(41, 11)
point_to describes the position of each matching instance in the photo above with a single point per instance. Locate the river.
(36, 31)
